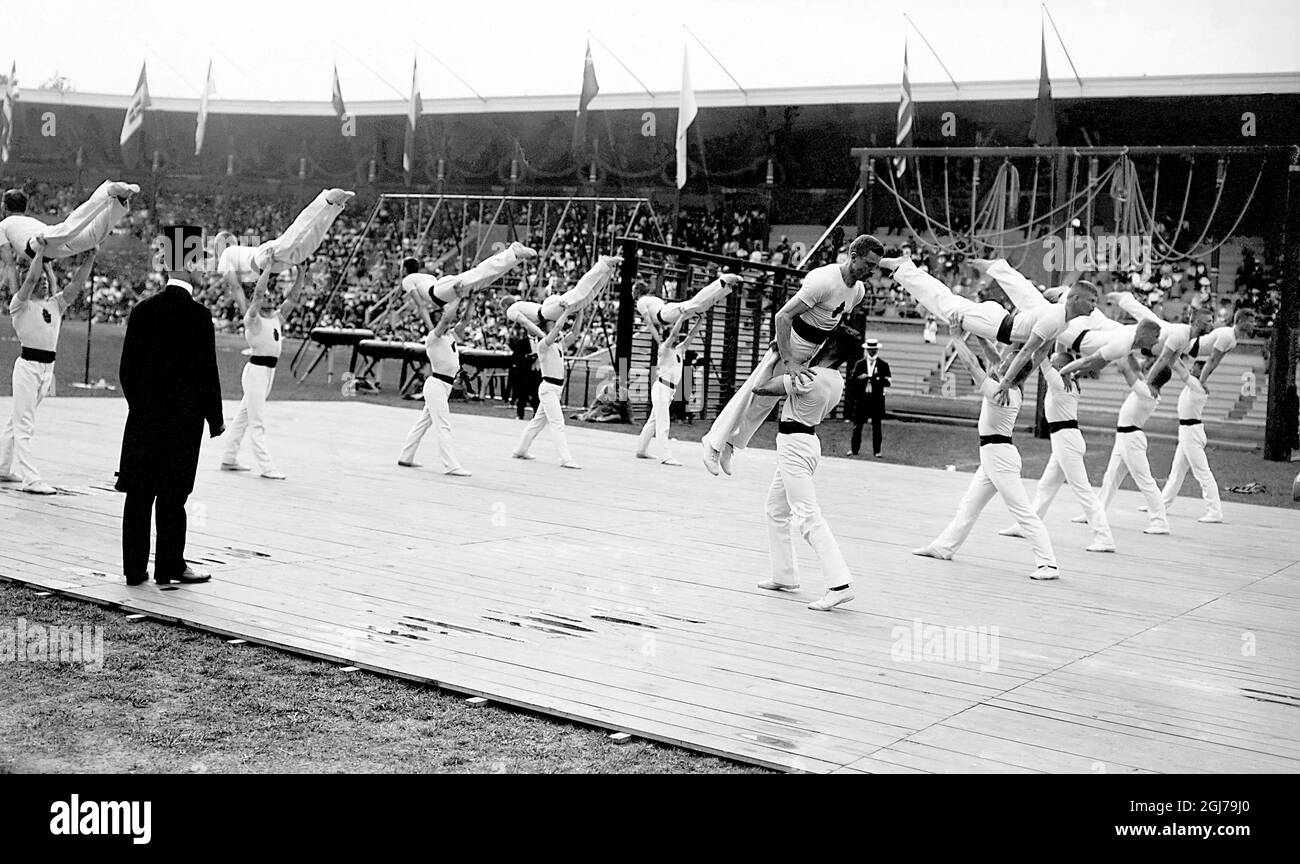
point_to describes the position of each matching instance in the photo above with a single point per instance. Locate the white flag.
(208, 89)
(685, 117)
(7, 114)
(135, 109)
(413, 112)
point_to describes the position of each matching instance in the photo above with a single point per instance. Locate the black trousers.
(137, 514)
(858, 423)
(523, 391)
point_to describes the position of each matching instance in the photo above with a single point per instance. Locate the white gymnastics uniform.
(85, 228)
(828, 299)
(444, 365)
(792, 498)
(1036, 315)
(264, 335)
(298, 242)
(1097, 334)
(37, 324)
(669, 376)
(548, 412)
(441, 290)
(1219, 339)
(1129, 456)
(1190, 453)
(652, 308)
(987, 319)
(998, 474)
(1061, 408)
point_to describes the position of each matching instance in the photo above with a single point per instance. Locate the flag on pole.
(7, 113)
(1043, 132)
(208, 89)
(135, 108)
(685, 116)
(906, 115)
(589, 90)
(339, 108)
(413, 112)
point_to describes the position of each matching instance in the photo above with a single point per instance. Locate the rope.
(1187, 194)
(1033, 206)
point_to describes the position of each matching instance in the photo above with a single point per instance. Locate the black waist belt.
(809, 332)
(1074, 346)
(558, 382)
(672, 385)
(268, 362)
(1004, 331)
(36, 355)
(541, 319)
(994, 439)
(1053, 428)
(1128, 428)
(793, 427)
(659, 313)
(450, 379)
(1182, 422)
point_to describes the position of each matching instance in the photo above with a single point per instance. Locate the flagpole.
(719, 62)
(624, 65)
(438, 60)
(1063, 48)
(932, 51)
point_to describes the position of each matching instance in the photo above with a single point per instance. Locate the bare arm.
(1084, 364)
(253, 315)
(450, 313)
(10, 268)
(1166, 358)
(291, 299)
(1210, 365)
(690, 334)
(531, 326)
(34, 273)
(74, 288)
(556, 329)
(773, 385)
(1022, 357)
(972, 362)
(784, 328)
(235, 289)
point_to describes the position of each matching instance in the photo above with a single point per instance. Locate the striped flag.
(1043, 132)
(906, 115)
(208, 89)
(7, 113)
(135, 108)
(340, 110)
(685, 116)
(413, 112)
(589, 90)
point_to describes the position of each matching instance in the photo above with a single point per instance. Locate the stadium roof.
(977, 91)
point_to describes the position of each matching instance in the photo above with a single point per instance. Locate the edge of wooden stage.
(623, 596)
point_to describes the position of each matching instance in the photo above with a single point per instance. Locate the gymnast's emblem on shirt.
(275, 333)
(838, 310)
(45, 313)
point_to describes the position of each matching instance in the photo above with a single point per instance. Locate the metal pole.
(829, 228)
(626, 323)
(1280, 422)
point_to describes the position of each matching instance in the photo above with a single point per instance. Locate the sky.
(285, 51)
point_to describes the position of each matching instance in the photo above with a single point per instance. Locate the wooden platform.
(623, 595)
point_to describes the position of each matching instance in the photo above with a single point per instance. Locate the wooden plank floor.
(623, 595)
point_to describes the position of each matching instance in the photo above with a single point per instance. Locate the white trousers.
(435, 415)
(982, 319)
(792, 498)
(656, 425)
(1017, 288)
(654, 308)
(998, 474)
(85, 228)
(591, 284)
(1129, 456)
(1191, 454)
(251, 418)
(1066, 466)
(32, 383)
(481, 275)
(744, 412)
(549, 414)
(302, 238)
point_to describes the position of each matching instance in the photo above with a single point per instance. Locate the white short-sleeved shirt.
(1138, 406)
(828, 297)
(1059, 404)
(1219, 339)
(37, 321)
(419, 283)
(1175, 336)
(1046, 322)
(17, 229)
(1191, 402)
(443, 356)
(239, 260)
(265, 340)
(811, 403)
(549, 359)
(998, 419)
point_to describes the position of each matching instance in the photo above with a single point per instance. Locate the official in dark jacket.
(867, 382)
(170, 381)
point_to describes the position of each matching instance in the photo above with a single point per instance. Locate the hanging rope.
(1033, 206)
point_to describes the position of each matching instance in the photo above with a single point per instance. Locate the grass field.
(173, 700)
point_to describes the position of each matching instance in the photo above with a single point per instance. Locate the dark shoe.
(134, 581)
(188, 577)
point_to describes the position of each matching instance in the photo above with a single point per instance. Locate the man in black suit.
(170, 381)
(867, 382)
(523, 376)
